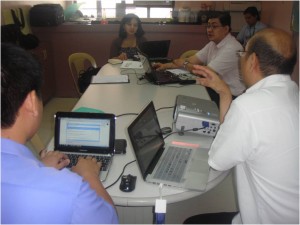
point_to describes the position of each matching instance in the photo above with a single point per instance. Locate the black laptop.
(156, 51)
(158, 77)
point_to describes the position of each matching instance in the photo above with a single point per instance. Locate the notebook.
(86, 134)
(156, 51)
(111, 79)
(155, 158)
(158, 77)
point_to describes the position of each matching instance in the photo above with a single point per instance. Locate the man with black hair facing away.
(41, 191)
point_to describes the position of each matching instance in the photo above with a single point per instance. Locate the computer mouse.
(114, 61)
(127, 183)
(166, 130)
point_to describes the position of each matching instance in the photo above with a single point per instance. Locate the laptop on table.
(180, 165)
(158, 77)
(86, 134)
(157, 51)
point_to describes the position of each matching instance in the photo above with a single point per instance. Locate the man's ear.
(227, 28)
(31, 103)
(254, 63)
(255, 67)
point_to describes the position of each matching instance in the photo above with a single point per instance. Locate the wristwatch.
(185, 64)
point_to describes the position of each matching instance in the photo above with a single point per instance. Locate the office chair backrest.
(79, 61)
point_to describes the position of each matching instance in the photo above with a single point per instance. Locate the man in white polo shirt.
(259, 134)
(219, 55)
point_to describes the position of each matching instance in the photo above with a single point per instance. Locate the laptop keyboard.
(173, 164)
(106, 160)
(166, 73)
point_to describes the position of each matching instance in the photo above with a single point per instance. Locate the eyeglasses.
(213, 27)
(241, 53)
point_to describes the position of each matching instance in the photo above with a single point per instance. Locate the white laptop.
(154, 157)
(86, 134)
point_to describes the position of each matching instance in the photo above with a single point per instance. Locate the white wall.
(277, 14)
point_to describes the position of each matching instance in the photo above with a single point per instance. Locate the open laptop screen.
(84, 132)
(156, 49)
(146, 138)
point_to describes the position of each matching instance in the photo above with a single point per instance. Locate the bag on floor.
(85, 78)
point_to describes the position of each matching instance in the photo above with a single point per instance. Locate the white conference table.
(131, 97)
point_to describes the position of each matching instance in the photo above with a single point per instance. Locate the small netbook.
(179, 164)
(86, 134)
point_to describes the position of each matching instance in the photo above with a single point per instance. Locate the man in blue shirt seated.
(253, 25)
(33, 190)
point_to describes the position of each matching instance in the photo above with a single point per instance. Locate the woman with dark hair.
(131, 35)
(253, 25)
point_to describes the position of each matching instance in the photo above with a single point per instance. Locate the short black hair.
(253, 11)
(21, 73)
(223, 16)
(270, 60)
(126, 19)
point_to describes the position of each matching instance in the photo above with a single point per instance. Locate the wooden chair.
(78, 62)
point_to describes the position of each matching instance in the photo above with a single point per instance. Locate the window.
(88, 8)
(115, 8)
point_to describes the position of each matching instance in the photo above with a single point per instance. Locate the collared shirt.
(33, 193)
(247, 32)
(260, 139)
(222, 59)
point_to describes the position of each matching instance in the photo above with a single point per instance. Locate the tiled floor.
(46, 130)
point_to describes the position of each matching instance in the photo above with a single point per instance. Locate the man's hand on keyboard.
(54, 159)
(87, 168)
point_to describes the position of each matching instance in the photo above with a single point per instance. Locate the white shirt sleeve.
(225, 61)
(202, 55)
(232, 144)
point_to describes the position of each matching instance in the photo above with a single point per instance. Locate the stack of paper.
(110, 79)
(132, 67)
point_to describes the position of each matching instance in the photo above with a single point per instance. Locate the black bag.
(12, 33)
(29, 41)
(43, 15)
(85, 78)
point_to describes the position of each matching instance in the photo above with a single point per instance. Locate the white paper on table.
(110, 79)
